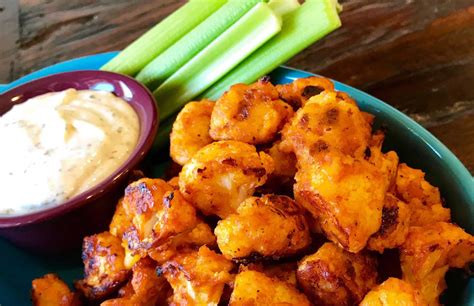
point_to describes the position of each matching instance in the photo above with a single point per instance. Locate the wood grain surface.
(417, 55)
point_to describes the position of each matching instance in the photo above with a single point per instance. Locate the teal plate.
(415, 146)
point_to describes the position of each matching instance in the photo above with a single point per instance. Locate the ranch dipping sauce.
(60, 144)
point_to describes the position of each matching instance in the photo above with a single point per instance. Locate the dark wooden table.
(417, 55)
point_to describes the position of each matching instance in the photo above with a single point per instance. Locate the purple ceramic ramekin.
(61, 228)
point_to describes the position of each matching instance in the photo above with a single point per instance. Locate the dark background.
(417, 55)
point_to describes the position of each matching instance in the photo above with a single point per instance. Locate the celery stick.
(302, 27)
(224, 53)
(283, 7)
(143, 50)
(167, 63)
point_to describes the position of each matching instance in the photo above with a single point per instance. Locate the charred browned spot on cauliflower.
(301, 90)
(333, 276)
(394, 228)
(327, 124)
(104, 270)
(249, 113)
(159, 212)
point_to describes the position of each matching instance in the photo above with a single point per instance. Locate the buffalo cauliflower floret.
(392, 292)
(200, 235)
(298, 92)
(158, 212)
(329, 122)
(270, 226)
(223, 174)
(395, 224)
(190, 131)
(345, 196)
(423, 198)
(429, 251)
(104, 269)
(197, 277)
(333, 276)
(255, 288)
(145, 288)
(249, 113)
(51, 290)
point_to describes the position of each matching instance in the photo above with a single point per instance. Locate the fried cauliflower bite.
(174, 182)
(249, 113)
(423, 198)
(284, 163)
(255, 288)
(190, 130)
(270, 226)
(393, 292)
(298, 92)
(104, 270)
(197, 277)
(121, 221)
(429, 251)
(223, 174)
(333, 276)
(283, 176)
(159, 212)
(345, 196)
(146, 283)
(329, 122)
(285, 271)
(51, 290)
(126, 290)
(200, 235)
(147, 288)
(386, 162)
(395, 225)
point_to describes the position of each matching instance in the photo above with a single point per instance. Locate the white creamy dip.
(57, 145)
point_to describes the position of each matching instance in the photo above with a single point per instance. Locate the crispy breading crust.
(391, 292)
(270, 226)
(104, 270)
(197, 277)
(255, 288)
(191, 131)
(249, 113)
(429, 251)
(51, 290)
(333, 276)
(159, 212)
(423, 198)
(223, 174)
(395, 225)
(298, 92)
